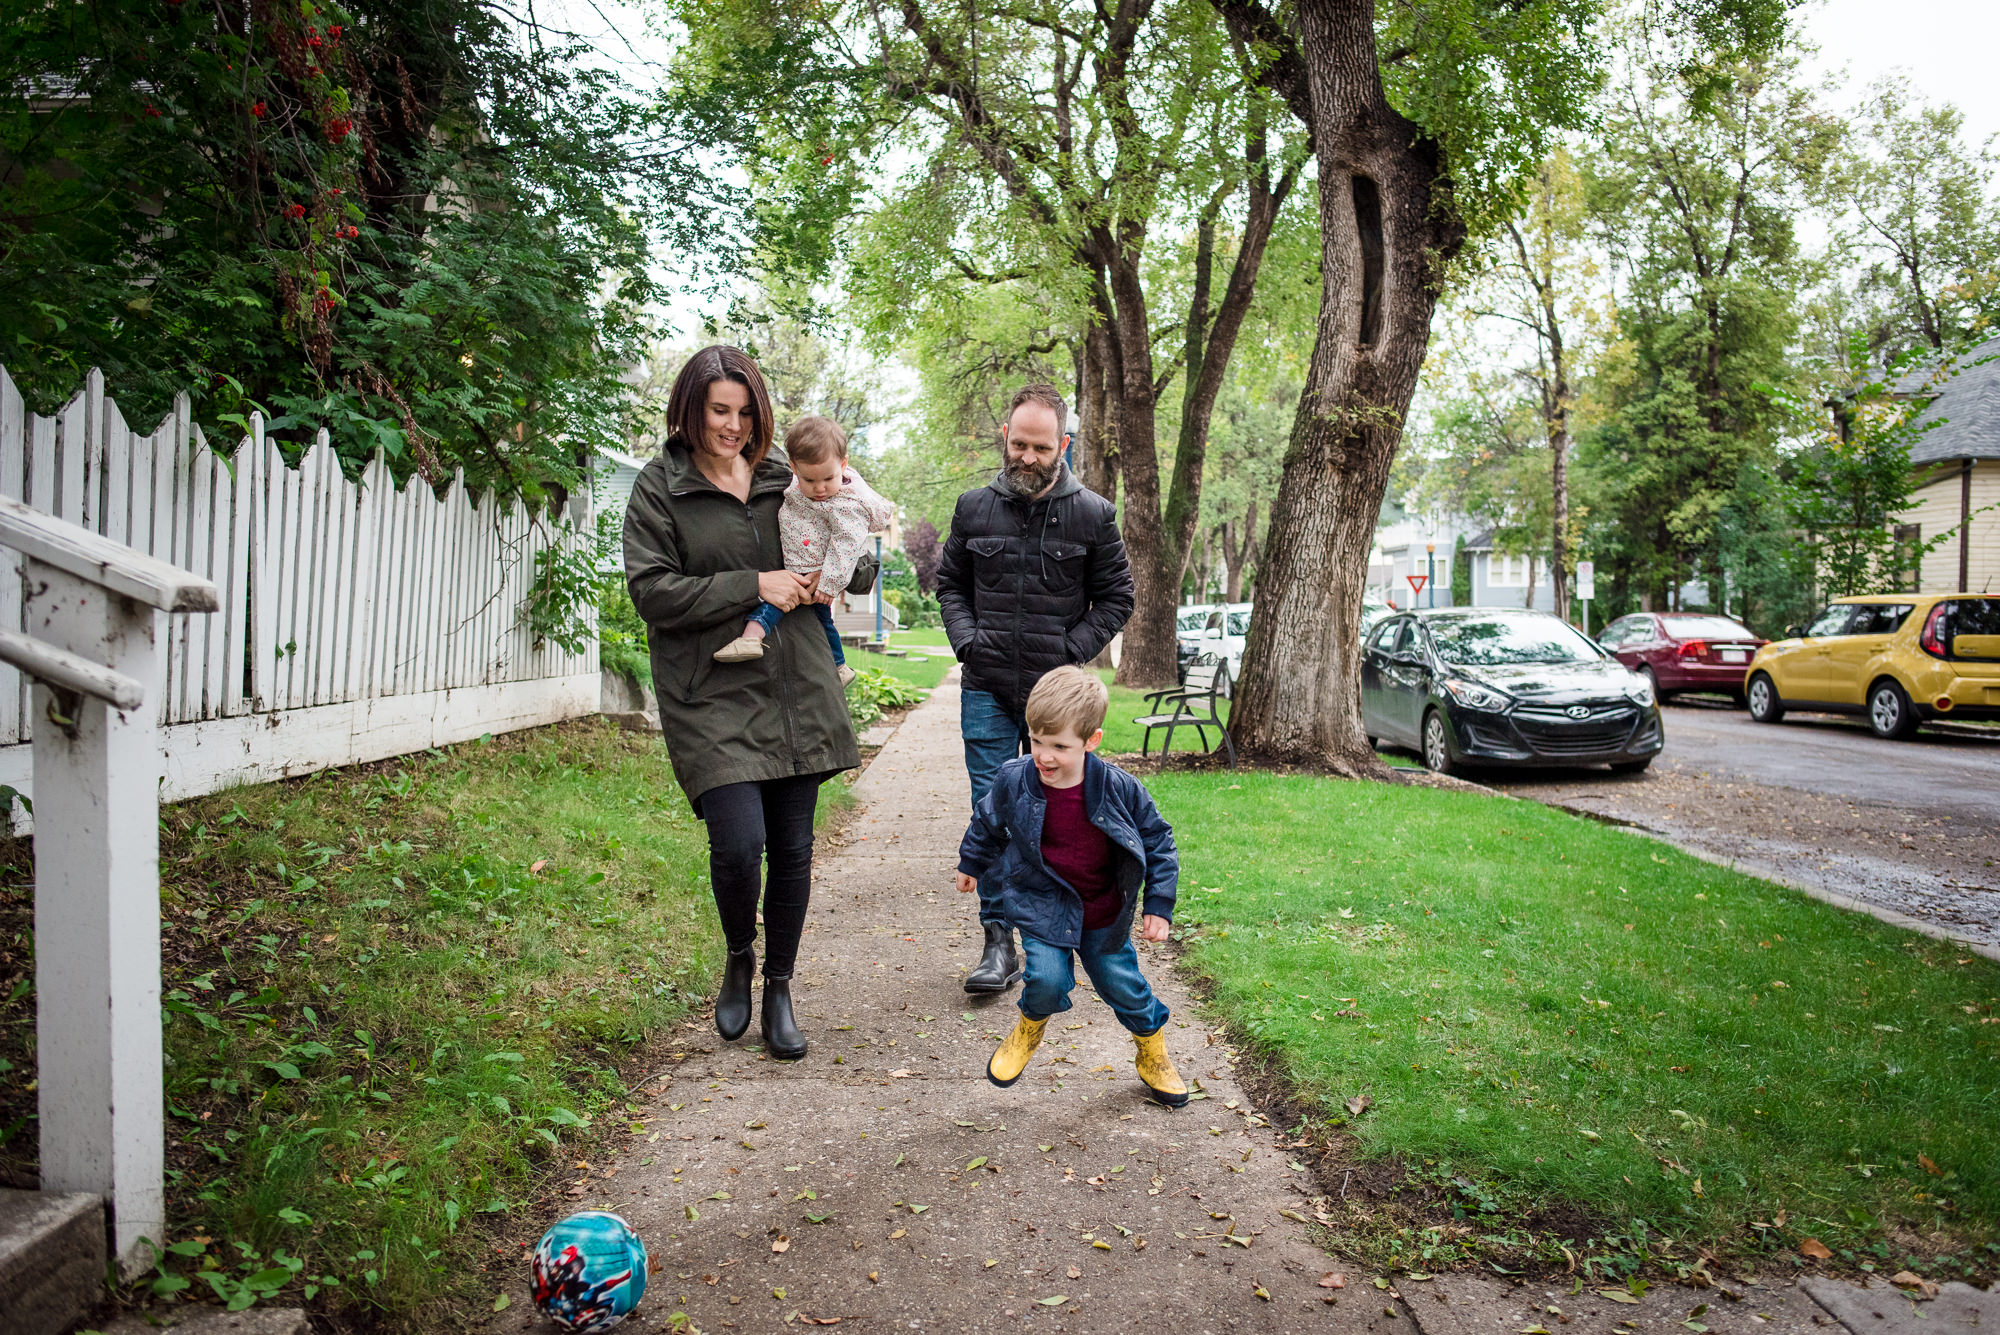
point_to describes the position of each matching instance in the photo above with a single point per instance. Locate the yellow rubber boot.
(1157, 1069)
(1012, 1056)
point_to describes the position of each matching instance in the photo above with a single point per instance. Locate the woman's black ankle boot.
(781, 1033)
(732, 1005)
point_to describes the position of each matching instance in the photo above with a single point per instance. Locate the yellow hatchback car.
(1900, 659)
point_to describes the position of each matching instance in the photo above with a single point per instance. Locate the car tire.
(1631, 766)
(1890, 713)
(1653, 680)
(1765, 704)
(1437, 745)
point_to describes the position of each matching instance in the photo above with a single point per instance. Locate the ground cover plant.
(393, 995)
(1523, 1010)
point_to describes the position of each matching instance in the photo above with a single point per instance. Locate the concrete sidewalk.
(883, 1182)
(1069, 1202)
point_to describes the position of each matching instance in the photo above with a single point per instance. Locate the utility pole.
(1431, 571)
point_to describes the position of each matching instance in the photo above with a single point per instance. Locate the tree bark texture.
(1387, 224)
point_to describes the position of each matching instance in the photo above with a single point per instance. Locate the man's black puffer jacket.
(1029, 585)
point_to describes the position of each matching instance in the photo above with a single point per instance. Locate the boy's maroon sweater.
(1080, 853)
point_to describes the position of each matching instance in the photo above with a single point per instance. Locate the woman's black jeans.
(749, 825)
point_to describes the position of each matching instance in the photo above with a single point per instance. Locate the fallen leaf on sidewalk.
(1330, 1280)
(820, 1320)
(1816, 1249)
(1904, 1279)
(1262, 1292)
(1616, 1295)
(901, 1232)
(502, 1303)
(781, 1243)
(1057, 1301)
(1075, 1273)
(1358, 1104)
(901, 1074)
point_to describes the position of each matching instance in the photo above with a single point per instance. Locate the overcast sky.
(1947, 47)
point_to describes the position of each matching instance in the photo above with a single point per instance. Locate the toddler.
(1076, 842)
(827, 515)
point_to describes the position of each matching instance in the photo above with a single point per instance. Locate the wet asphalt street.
(1957, 774)
(1910, 828)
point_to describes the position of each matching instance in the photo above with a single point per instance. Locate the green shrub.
(873, 691)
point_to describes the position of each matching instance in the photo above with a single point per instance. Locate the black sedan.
(1480, 686)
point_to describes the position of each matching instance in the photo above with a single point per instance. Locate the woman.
(751, 742)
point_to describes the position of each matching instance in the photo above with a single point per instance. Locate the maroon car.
(1684, 651)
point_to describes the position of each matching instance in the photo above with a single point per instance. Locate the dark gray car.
(1486, 686)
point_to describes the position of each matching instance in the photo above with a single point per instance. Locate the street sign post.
(1586, 589)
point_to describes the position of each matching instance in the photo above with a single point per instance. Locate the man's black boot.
(732, 1004)
(999, 965)
(782, 1038)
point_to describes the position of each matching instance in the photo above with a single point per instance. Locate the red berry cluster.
(295, 210)
(258, 111)
(348, 232)
(339, 128)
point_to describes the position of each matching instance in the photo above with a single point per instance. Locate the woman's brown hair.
(687, 402)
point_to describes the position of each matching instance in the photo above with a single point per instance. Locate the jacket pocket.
(988, 558)
(1062, 565)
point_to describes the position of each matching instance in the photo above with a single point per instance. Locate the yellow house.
(1958, 477)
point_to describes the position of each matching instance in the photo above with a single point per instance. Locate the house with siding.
(1958, 475)
(1503, 579)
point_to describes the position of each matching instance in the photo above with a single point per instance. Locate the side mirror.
(1794, 631)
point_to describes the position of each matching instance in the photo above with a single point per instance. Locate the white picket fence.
(358, 621)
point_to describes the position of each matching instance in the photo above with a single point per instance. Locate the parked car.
(1901, 659)
(1684, 651)
(1222, 633)
(1484, 686)
(1372, 613)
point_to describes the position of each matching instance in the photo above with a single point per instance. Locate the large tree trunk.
(1387, 224)
(1096, 445)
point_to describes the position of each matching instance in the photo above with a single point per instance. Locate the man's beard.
(1023, 478)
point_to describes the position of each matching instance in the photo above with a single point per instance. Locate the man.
(1033, 577)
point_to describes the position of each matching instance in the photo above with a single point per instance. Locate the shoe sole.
(1165, 1099)
(786, 1056)
(978, 988)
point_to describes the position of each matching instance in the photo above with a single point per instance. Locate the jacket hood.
(683, 476)
(1066, 484)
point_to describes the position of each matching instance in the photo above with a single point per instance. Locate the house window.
(1507, 572)
(1908, 560)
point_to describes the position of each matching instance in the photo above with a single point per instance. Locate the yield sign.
(1417, 583)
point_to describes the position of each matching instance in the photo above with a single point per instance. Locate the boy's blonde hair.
(814, 440)
(1070, 698)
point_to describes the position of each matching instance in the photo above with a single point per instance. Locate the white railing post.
(94, 615)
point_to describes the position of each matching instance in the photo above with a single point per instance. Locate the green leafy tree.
(424, 226)
(1055, 146)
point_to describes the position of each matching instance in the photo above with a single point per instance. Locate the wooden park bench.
(1195, 705)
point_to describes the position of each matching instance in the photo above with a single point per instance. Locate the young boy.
(827, 515)
(1075, 841)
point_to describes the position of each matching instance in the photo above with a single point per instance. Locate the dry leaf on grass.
(1816, 1249)
(1359, 1104)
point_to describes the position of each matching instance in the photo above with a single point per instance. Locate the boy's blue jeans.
(1113, 965)
(993, 736)
(767, 616)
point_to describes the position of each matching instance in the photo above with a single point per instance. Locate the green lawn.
(932, 637)
(393, 993)
(1549, 1012)
(922, 671)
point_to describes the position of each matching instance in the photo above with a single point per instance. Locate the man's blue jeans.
(1113, 965)
(993, 736)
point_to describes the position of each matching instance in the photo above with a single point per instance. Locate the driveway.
(1908, 828)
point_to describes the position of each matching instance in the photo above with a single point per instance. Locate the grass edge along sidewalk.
(1540, 1032)
(397, 996)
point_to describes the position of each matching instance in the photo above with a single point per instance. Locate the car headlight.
(1639, 690)
(1474, 696)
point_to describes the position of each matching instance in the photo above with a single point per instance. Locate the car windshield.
(1194, 619)
(1239, 623)
(1496, 641)
(1707, 628)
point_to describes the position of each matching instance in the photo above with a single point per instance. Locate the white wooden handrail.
(72, 672)
(93, 611)
(110, 565)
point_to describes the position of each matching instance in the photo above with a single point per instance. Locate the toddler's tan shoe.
(740, 650)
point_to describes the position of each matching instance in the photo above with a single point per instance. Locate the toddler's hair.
(1070, 698)
(814, 440)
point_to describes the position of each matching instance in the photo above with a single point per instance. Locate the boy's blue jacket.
(1004, 841)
